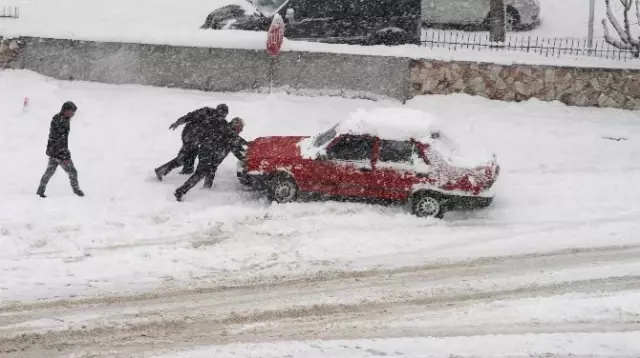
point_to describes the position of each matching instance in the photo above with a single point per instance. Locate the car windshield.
(268, 7)
(325, 137)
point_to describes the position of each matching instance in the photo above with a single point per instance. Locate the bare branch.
(638, 11)
(611, 41)
(627, 25)
(614, 22)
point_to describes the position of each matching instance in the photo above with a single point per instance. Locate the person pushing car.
(195, 125)
(218, 139)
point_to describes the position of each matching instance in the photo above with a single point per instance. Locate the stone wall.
(216, 69)
(573, 86)
(9, 51)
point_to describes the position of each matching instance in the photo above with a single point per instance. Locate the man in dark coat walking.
(217, 141)
(190, 136)
(58, 150)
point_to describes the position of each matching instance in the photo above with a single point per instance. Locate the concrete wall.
(593, 87)
(215, 69)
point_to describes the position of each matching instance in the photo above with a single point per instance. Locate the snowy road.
(556, 254)
(512, 295)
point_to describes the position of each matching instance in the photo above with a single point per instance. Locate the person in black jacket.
(217, 141)
(190, 136)
(58, 149)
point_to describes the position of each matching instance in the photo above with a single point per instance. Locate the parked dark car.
(364, 22)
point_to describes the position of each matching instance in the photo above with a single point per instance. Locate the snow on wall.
(577, 86)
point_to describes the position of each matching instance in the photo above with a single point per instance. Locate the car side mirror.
(290, 15)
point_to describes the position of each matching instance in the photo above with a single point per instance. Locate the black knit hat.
(69, 106)
(222, 108)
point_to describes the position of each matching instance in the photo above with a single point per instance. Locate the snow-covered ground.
(177, 23)
(563, 186)
(554, 255)
(550, 269)
(546, 345)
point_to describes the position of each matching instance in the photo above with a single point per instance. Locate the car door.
(350, 171)
(459, 12)
(312, 19)
(395, 169)
(435, 11)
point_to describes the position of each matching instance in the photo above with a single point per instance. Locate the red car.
(388, 154)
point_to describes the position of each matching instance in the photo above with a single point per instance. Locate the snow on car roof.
(390, 123)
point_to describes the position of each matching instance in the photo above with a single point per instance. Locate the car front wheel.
(283, 190)
(425, 205)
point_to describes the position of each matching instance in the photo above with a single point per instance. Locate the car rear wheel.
(283, 189)
(425, 205)
(512, 20)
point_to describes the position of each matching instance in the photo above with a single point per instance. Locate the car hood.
(270, 147)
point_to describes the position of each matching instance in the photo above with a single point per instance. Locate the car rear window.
(396, 151)
(351, 148)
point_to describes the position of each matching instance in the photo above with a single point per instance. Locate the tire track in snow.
(204, 325)
(473, 267)
(306, 308)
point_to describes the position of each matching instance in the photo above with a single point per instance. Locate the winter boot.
(40, 193)
(158, 174)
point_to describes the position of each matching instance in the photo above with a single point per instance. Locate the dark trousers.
(186, 157)
(203, 171)
(209, 158)
(189, 161)
(67, 166)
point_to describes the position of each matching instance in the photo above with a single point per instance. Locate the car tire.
(512, 19)
(283, 189)
(390, 37)
(427, 204)
(217, 17)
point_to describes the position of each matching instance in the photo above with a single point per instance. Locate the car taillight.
(472, 180)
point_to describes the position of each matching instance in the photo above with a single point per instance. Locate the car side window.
(351, 148)
(396, 151)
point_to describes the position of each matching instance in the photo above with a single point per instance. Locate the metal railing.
(546, 46)
(11, 12)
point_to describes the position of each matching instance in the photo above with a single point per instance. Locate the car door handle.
(365, 169)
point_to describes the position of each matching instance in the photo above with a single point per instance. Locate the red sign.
(275, 36)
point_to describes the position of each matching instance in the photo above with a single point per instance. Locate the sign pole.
(592, 10)
(275, 37)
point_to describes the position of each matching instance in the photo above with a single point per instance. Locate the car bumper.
(467, 202)
(529, 16)
(253, 180)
